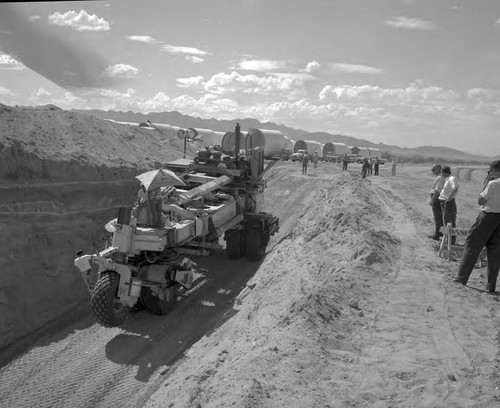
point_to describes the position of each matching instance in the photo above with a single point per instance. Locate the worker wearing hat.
(437, 186)
(485, 232)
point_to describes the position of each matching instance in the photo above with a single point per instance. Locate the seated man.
(141, 209)
(155, 204)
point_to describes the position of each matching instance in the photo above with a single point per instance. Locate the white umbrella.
(159, 178)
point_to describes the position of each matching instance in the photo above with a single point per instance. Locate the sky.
(401, 72)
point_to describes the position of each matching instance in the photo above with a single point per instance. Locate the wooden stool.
(445, 245)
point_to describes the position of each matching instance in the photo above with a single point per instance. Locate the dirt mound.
(291, 323)
(51, 144)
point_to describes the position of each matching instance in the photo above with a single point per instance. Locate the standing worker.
(437, 186)
(305, 162)
(484, 232)
(394, 168)
(315, 159)
(376, 166)
(447, 199)
(364, 167)
(345, 162)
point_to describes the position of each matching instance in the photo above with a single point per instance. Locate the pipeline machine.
(221, 200)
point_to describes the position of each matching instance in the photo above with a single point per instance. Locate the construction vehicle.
(146, 267)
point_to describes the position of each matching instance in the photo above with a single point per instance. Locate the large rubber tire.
(107, 309)
(255, 247)
(156, 305)
(234, 245)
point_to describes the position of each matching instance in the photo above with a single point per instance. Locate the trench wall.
(48, 210)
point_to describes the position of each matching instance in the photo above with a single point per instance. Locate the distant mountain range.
(417, 154)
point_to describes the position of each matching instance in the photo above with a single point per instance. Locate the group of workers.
(485, 232)
(370, 166)
(305, 161)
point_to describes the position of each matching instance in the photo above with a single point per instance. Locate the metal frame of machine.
(145, 267)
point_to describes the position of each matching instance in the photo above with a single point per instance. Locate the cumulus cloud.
(409, 23)
(261, 65)
(144, 39)
(485, 101)
(490, 95)
(121, 71)
(41, 96)
(173, 49)
(192, 82)
(282, 85)
(5, 92)
(7, 97)
(194, 59)
(355, 69)
(40, 93)
(81, 21)
(7, 62)
(414, 93)
(34, 18)
(413, 115)
(312, 66)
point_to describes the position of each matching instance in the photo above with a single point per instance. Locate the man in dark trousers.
(364, 167)
(376, 166)
(437, 186)
(305, 162)
(447, 199)
(484, 232)
(345, 162)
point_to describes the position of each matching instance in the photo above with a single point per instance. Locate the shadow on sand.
(150, 341)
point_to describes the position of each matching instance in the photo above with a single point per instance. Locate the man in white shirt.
(447, 199)
(484, 232)
(437, 186)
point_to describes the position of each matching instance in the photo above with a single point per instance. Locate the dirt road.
(350, 308)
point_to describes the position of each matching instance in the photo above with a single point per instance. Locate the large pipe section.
(313, 147)
(334, 148)
(299, 145)
(355, 150)
(209, 137)
(289, 143)
(273, 141)
(228, 141)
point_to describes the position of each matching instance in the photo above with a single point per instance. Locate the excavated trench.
(43, 222)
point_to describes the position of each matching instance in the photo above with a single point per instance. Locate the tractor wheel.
(156, 305)
(234, 247)
(255, 247)
(107, 309)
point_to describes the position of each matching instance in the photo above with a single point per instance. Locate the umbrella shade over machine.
(159, 178)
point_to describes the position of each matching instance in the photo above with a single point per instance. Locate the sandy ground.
(351, 307)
